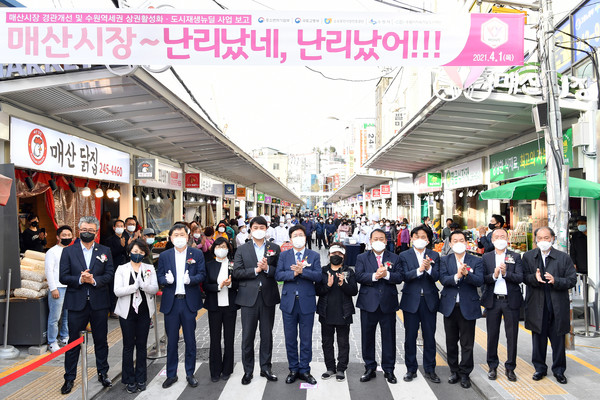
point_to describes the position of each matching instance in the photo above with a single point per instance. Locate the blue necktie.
(299, 256)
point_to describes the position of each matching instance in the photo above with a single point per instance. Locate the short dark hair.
(63, 228)
(457, 233)
(418, 229)
(425, 218)
(544, 227)
(139, 243)
(31, 217)
(219, 241)
(376, 230)
(449, 219)
(178, 226)
(130, 218)
(118, 220)
(582, 218)
(260, 221)
(454, 225)
(499, 219)
(296, 228)
(209, 231)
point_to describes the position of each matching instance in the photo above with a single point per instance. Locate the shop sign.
(376, 193)
(145, 168)
(167, 178)
(586, 24)
(229, 189)
(37, 147)
(386, 190)
(261, 37)
(260, 197)
(240, 192)
(352, 199)
(359, 197)
(192, 180)
(367, 195)
(421, 185)
(434, 179)
(465, 175)
(526, 159)
(268, 199)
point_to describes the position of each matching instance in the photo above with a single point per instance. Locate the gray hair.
(90, 219)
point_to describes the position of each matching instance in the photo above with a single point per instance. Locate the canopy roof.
(355, 185)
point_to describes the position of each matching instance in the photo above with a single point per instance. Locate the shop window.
(159, 215)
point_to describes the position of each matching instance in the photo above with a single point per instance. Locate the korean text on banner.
(261, 38)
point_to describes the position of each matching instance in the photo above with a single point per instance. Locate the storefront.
(427, 199)
(200, 198)
(466, 181)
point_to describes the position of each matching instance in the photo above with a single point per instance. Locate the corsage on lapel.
(230, 267)
(190, 261)
(146, 273)
(388, 265)
(305, 262)
(269, 252)
(102, 258)
(509, 259)
(430, 260)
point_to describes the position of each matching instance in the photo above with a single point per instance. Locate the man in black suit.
(87, 268)
(548, 274)
(502, 274)
(254, 267)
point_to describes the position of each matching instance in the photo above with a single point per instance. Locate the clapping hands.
(169, 277)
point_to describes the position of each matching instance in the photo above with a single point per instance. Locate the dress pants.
(221, 323)
(368, 327)
(343, 341)
(459, 329)
(427, 320)
(309, 242)
(251, 316)
(180, 316)
(135, 335)
(78, 320)
(511, 328)
(320, 241)
(540, 345)
(292, 323)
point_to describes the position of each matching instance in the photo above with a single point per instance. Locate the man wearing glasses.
(87, 268)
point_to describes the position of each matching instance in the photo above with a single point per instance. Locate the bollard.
(158, 351)
(84, 366)
(7, 351)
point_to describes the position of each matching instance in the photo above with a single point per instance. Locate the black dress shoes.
(510, 374)
(246, 379)
(103, 379)
(291, 378)
(67, 387)
(465, 382)
(560, 378)
(492, 374)
(368, 375)
(538, 376)
(169, 382)
(192, 381)
(409, 376)
(391, 378)
(308, 378)
(432, 376)
(453, 378)
(267, 373)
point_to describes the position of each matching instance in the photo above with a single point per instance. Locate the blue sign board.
(229, 189)
(586, 25)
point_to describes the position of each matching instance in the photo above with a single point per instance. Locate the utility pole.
(557, 172)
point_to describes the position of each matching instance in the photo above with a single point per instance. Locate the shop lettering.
(23, 70)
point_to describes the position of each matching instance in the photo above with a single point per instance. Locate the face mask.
(150, 241)
(544, 246)
(459, 247)
(336, 260)
(259, 234)
(298, 242)
(500, 244)
(281, 224)
(221, 253)
(378, 246)
(35, 224)
(130, 228)
(136, 258)
(119, 231)
(221, 229)
(87, 237)
(196, 236)
(387, 224)
(179, 242)
(419, 243)
(492, 227)
(582, 228)
(66, 242)
(243, 230)
(402, 227)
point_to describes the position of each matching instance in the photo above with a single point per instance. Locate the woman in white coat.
(135, 287)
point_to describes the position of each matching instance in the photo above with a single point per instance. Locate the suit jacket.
(211, 287)
(123, 290)
(72, 263)
(514, 276)
(560, 266)
(194, 265)
(382, 293)
(301, 285)
(413, 284)
(485, 242)
(466, 287)
(244, 266)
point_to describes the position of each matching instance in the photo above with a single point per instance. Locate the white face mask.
(243, 230)
(259, 234)
(221, 253)
(420, 243)
(544, 246)
(221, 229)
(196, 235)
(378, 246)
(130, 228)
(459, 247)
(150, 241)
(387, 224)
(298, 242)
(119, 231)
(500, 244)
(179, 242)
(282, 224)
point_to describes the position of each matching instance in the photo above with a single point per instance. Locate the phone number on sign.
(108, 169)
(493, 57)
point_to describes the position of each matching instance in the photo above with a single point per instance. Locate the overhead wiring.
(346, 79)
(220, 5)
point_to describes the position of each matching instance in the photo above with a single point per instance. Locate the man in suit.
(485, 241)
(378, 272)
(254, 267)
(419, 304)
(461, 274)
(548, 274)
(87, 269)
(299, 268)
(502, 297)
(180, 271)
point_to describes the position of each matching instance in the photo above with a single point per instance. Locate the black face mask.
(336, 260)
(492, 226)
(87, 237)
(35, 224)
(136, 258)
(66, 242)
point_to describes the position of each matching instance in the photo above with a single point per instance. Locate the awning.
(446, 131)
(355, 184)
(139, 111)
(531, 188)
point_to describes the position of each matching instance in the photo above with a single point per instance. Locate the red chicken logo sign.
(37, 147)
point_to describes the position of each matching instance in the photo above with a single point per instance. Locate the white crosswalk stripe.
(235, 390)
(155, 390)
(327, 389)
(417, 389)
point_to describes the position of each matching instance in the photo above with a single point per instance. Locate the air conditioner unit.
(540, 116)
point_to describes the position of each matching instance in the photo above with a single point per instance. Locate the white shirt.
(281, 235)
(52, 267)
(270, 233)
(223, 293)
(387, 276)
(420, 258)
(180, 270)
(458, 261)
(241, 238)
(500, 285)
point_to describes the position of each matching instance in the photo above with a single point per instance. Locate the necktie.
(379, 261)
(299, 256)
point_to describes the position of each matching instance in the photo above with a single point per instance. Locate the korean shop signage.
(434, 179)
(465, 175)
(229, 189)
(145, 168)
(260, 197)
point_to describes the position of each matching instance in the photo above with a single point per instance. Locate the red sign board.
(192, 181)
(376, 193)
(367, 195)
(385, 190)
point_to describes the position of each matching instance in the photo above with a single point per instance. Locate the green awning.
(531, 188)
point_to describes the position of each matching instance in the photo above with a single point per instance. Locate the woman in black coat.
(222, 310)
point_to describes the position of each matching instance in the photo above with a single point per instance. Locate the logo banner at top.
(153, 37)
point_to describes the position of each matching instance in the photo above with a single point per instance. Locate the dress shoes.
(409, 376)
(432, 376)
(368, 375)
(561, 378)
(492, 374)
(510, 374)
(537, 376)
(267, 373)
(391, 378)
(67, 387)
(308, 378)
(225, 377)
(454, 378)
(215, 378)
(246, 379)
(465, 382)
(192, 381)
(291, 378)
(169, 382)
(103, 379)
